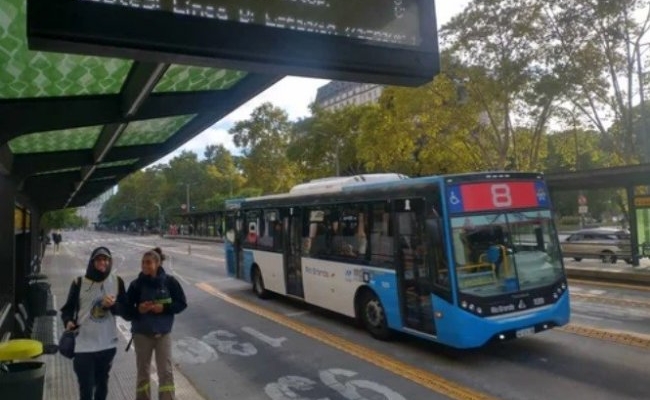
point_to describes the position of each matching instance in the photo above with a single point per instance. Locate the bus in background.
(459, 259)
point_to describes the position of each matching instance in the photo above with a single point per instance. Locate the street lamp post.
(187, 188)
(187, 196)
(160, 222)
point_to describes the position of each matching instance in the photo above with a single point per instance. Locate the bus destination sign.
(392, 22)
(500, 195)
(381, 41)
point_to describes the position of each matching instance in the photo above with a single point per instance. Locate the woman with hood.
(152, 300)
(93, 302)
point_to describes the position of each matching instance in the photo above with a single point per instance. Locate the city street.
(231, 345)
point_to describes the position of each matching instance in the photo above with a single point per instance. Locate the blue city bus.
(461, 259)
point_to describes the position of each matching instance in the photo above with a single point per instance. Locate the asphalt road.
(231, 345)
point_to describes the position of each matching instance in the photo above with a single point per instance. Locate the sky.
(293, 94)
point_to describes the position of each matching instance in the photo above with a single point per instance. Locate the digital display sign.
(383, 21)
(378, 41)
(497, 195)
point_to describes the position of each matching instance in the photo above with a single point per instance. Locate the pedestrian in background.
(93, 302)
(56, 238)
(152, 301)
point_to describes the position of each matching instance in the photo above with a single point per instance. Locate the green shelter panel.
(182, 78)
(118, 163)
(47, 142)
(152, 131)
(26, 74)
(103, 178)
(58, 171)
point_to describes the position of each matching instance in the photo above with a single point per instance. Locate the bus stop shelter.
(626, 177)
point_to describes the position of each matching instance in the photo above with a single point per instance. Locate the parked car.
(607, 244)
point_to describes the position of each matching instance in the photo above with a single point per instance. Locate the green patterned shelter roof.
(151, 131)
(181, 78)
(118, 163)
(27, 73)
(44, 142)
(64, 113)
(58, 171)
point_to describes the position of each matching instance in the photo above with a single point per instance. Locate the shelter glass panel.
(182, 78)
(58, 171)
(52, 141)
(152, 131)
(118, 163)
(27, 74)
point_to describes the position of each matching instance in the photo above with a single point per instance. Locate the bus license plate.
(525, 332)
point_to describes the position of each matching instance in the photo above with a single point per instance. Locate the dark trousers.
(92, 371)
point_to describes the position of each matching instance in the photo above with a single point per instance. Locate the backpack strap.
(78, 304)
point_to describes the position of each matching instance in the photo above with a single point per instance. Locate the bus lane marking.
(273, 342)
(288, 386)
(414, 374)
(608, 335)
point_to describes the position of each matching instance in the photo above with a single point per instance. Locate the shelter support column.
(7, 253)
(634, 232)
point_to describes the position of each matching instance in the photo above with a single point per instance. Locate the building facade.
(91, 210)
(337, 94)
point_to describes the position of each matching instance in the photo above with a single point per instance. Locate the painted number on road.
(222, 341)
(288, 387)
(190, 350)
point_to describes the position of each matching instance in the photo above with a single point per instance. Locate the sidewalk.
(619, 272)
(60, 380)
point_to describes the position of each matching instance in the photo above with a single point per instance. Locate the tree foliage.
(62, 219)
(264, 139)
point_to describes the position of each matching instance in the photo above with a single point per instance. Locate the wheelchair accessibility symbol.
(453, 199)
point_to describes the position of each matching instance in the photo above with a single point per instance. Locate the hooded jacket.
(97, 328)
(162, 289)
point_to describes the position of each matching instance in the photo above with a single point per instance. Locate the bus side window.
(250, 233)
(349, 233)
(266, 230)
(313, 233)
(381, 238)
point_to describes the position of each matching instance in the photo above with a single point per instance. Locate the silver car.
(608, 244)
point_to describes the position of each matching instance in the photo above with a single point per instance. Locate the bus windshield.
(507, 252)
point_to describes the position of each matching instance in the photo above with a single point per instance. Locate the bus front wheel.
(373, 316)
(258, 284)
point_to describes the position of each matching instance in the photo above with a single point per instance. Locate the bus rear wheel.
(258, 284)
(373, 317)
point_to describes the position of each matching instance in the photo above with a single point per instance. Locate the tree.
(325, 143)
(495, 52)
(66, 218)
(264, 139)
(225, 179)
(596, 45)
(419, 131)
(184, 174)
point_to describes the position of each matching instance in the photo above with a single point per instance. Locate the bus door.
(292, 230)
(237, 245)
(232, 244)
(414, 280)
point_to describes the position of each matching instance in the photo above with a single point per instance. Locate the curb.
(637, 278)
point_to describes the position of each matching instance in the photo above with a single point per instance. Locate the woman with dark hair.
(152, 301)
(93, 302)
